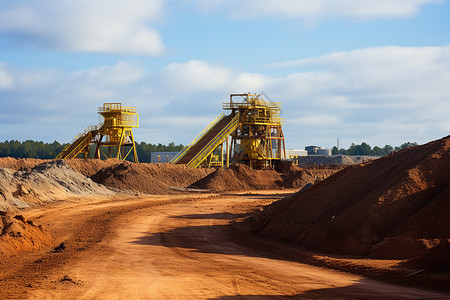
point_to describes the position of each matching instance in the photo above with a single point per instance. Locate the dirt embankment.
(19, 234)
(240, 177)
(149, 178)
(17, 164)
(395, 207)
(47, 182)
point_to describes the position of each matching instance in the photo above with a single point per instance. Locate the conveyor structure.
(252, 134)
(111, 138)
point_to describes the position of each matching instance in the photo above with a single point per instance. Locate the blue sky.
(361, 71)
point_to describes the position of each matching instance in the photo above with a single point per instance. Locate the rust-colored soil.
(240, 177)
(149, 178)
(17, 234)
(20, 163)
(394, 207)
(98, 240)
(177, 247)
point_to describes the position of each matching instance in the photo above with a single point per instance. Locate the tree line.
(34, 149)
(365, 149)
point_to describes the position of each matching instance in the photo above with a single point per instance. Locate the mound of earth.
(394, 207)
(46, 182)
(20, 163)
(149, 178)
(89, 167)
(434, 259)
(240, 177)
(19, 234)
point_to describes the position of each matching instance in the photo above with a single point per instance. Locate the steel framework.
(111, 138)
(254, 126)
(258, 141)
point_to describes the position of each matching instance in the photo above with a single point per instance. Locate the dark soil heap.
(395, 207)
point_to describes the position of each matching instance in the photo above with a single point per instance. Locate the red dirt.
(17, 234)
(394, 207)
(149, 178)
(240, 177)
(89, 167)
(20, 163)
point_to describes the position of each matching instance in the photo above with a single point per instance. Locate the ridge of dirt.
(17, 234)
(47, 182)
(89, 167)
(240, 177)
(149, 178)
(17, 164)
(434, 259)
(395, 207)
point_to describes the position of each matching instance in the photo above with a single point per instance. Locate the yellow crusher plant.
(250, 134)
(111, 138)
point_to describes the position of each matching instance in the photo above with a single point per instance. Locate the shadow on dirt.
(235, 239)
(363, 289)
(217, 216)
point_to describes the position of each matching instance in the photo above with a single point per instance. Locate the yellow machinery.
(112, 137)
(256, 136)
(258, 140)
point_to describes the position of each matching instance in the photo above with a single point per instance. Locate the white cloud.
(315, 10)
(195, 76)
(111, 26)
(200, 76)
(6, 80)
(386, 95)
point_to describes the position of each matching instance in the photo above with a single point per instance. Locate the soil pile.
(434, 259)
(394, 207)
(47, 182)
(297, 177)
(89, 167)
(149, 178)
(19, 234)
(20, 163)
(240, 177)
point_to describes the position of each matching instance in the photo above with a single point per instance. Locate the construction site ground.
(91, 229)
(178, 247)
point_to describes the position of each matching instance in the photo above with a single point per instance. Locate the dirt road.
(170, 247)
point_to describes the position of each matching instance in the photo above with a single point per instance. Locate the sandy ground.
(171, 247)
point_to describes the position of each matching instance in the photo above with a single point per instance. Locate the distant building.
(291, 153)
(312, 150)
(162, 157)
(324, 151)
(316, 150)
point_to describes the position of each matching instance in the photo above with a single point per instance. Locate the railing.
(196, 139)
(274, 105)
(275, 121)
(77, 137)
(214, 143)
(116, 107)
(78, 146)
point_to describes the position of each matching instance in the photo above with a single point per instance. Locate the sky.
(374, 71)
